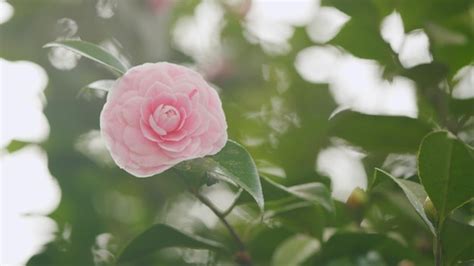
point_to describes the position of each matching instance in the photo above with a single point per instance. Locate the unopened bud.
(243, 258)
(430, 210)
(357, 199)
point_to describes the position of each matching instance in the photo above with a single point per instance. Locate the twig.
(216, 211)
(243, 256)
(234, 202)
(438, 252)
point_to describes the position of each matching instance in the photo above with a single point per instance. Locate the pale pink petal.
(175, 136)
(149, 106)
(148, 132)
(183, 117)
(183, 101)
(175, 146)
(150, 100)
(131, 111)
(191, 151)
(136, 142)
(155, 126)
(156, 89)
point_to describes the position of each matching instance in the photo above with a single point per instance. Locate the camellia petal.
(158, 115)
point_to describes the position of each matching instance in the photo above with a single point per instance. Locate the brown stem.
(438, 249)
(438, 252)
(232, 205)
(243, 256)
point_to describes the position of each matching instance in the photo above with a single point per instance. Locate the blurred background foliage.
(278, 111)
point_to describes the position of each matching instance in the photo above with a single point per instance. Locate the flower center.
(167, 118)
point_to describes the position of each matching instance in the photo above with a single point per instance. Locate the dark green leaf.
(161, 236)
(314, 192)
(427, 75)
(234, 162)
(379, 132)
(264, 241)
(354, 243)
(92, 52)
(295, 250)
(309, 219)
(415, 193)
(446, 170)
(293, 215)
(457, 241)
(461, 106)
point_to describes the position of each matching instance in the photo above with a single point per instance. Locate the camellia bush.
(189, 132)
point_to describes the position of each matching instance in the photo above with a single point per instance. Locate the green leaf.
(316, 193)
(92, 52)
(236, 163)
(161, 236)
(415, 193)
(15, 145)
(104, 85)
(361, 35)
(457, 241)
(358, 243)
(446, 170)
(461, 106)
(379, 133)
(292, 214)
(263, 241)
(278, 207)
(295, 250)
(427, 75)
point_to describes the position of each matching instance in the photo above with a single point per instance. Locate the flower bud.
(357, 199)
(430, 210)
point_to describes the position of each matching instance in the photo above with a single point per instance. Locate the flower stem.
(438, 252)
(232, 205)
(243, 256)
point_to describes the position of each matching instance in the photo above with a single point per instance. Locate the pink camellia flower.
(158, 115)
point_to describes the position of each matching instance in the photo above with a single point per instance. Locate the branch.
(243, 256)
(234, 202)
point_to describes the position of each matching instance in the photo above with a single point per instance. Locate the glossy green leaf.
(446, 170)
(316, 193)
(278, 207)
(236, 163)
(427, 75)
(357, 243)
(264, 240)
(294, 215)
(91, 51)
(457, 241)
(415, 193)
(379, 133)
(295, 250)
(104, 85)
(161, 236)
(461, 106)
